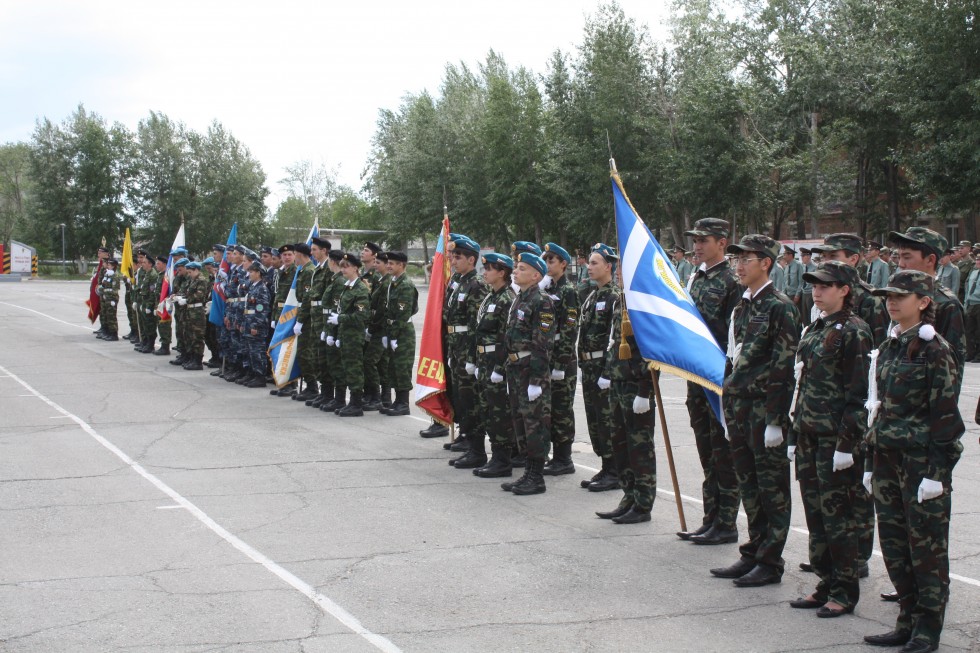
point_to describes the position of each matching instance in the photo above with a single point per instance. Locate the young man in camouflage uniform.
(716, 292)
(491, 357)
(256, 312)
(757, 397)
(315, 357)
(302, 329)
(178, 313)
(350, 319)
(530, 339)
(209, 272)
(108, 292)
(595, 325)
(372, 344)
(377, 389)
(401, 303)
(147, 296)
(234, 362)
(193, 299)
(99, 275)
(284, 282)
(564, 372)
(333, 374)
(164, 327)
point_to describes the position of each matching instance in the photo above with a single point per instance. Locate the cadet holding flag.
(757, 395)
(304, 337)
(195, 295)
(914, 435)
(315, 358)
(108, 292)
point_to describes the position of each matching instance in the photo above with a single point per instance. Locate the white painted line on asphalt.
(58, 416)
(168, 507)
(24, 308)
(325, 603)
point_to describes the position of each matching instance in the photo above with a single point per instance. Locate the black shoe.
(891, 597)
(585, 483)
(495, 469)
(319, 401)
(608, 482)
(561, 463)
(618, 512)
(919, 646)
(353, 409)
(807, 567)
(806, 604)
(758, 577)
(147, 349)
(518, 460)
(216, 372)
(715, 535)
(112, 337)
(894, 638)
(864, 571)
(533, 481)
(180, 360)
(245, 378)
(193, 365)
(510, 485)
(434, 430)
(213, 363)
(130, 335)
(164, 350)
(257, 381)
(471, 460)
(286, 391)
(397, 409)
(633, 516)
(307, 394)
(830, 613)
(686, 535)
(736, 570)
(372, 402)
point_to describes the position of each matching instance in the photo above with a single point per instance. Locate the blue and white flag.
(667, 325)
(284, 346)
(217, 314)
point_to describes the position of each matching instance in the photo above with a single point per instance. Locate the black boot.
(337, 401)
(510, 485)
(372, 400)
(326, 394)
(499, 465)
(386, 397)
(257, 381)
(112, 336)
(533, 482)
(476, 456)
(608, 478)
(561, 461)
(193, 363)
(164, 349)
(98, 333)
(220, 372)
(180, 360)
(400, 407)
(245, 377)
(214, 362)
(434, 430)
(309, 392)
(287, 390)
(148, 347)
(353, 409)
(342, 399)
(129, 336)
(517, 459)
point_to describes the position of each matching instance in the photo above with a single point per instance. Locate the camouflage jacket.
(460, 313)
(833, 383)
(401, 303)
(871, 309)
(353, 308)
(257, 310)
(148, 293)
(491, 326)
(565, 301)
(110, 286)
(917, 381)
(376, 320)
(330, 300)
(951, 325)
(530, 333)
(303, 283)
(284, 281)
(632, 370)
(197, 291)
(716, 292)
(371, 278)
(767, 327)
(321, 278)
(595, 319)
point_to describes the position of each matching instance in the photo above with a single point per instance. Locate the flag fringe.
(684, 374)
(436, 393)
(619, 182)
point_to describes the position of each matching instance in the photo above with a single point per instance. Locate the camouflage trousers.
(463, 395)
(165, 330)
(596, 408)
(632, 445)
(257, 351)
(401, 362)
(351, 371)
(225, 338)
(494, 405)
(131, 314)
(563, 407)
(972, 319)
(179, 320)
(914, 540)
(323, 372)
(719, 490)
(107, 315)
(763, 481)
(373, 353)
(829, 498)
(531, 419)
(211, 337)
(147, 322)
(307, 355)
(864, 515)
(194, 325)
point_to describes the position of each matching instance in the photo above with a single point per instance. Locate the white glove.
(207, 309)
(557, 375)
(181, 300)
(329, 341)
(842, 461)
(791, 452)
(928, 489)
(337, 343)
(496, 378)
(545, 282)
(384, 342)
(641, 405)
(773, 436)
(297, 328)
(603, 383)
(333, 319)
(109, 273)
(724, 426)
(470, 369)
(476, 372)
(272, 324)
(112, 303)
(394, 345)
(367, 335)
(533, 392)
(866, 481)
(323, 336)
(98, 291)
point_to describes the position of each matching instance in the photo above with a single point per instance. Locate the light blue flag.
(667, 325)
(217, 314)
(284, 346)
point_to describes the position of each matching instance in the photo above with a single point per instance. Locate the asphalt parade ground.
(147, 508)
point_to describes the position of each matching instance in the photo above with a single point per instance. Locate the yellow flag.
(126, 265)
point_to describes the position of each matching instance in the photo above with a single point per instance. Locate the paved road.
(147, 508)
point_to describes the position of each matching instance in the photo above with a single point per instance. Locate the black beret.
(218, 247)
(322, 244)
(162, 259)
(383, 257)
(374, 247)
(287, 248)
(302, 248)
(353, 259)
(400, 257)
(335, 255)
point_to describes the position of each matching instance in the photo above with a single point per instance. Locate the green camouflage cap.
(710, 227)
(832, 272)
(921, 236)
(847, 242)
(965, 243)
(759, 243)
(906, 282)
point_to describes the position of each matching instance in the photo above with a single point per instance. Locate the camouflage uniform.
(333, 372)
(460, 317)
(530, 338)
(307, 352)
(233, 307)
(109, 299)
(317, 358)
(352, 308)
(256, 315)
(284, 282)
(179, 312)
(491, 356)
(130, 298)
(147, 295)
(830, 416)
(197, 291)
(715, 292)
(757, 394)
(631, 434)
(916, 436)
(563, 357)
(401, 303)
(595, 325)
(375, 354)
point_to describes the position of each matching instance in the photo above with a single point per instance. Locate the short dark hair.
(922, 248)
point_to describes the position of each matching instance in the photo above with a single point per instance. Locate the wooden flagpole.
(670, 453)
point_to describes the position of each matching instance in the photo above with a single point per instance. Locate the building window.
(952, 234)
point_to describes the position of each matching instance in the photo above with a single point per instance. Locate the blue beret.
(181, 262)
(194, 265)
(534, 261)
(558, 250)
(606, 252)
(218, 247)
(179, 250)
(208, 261)
(525, 246)
(462, 242)
(498, 259)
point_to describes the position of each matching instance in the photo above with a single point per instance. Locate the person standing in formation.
(350, 318)
(108, 292)
(401, 303)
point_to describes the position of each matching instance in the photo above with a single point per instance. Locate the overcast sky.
(292, 80)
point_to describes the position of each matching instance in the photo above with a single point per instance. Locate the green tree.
(15, 189)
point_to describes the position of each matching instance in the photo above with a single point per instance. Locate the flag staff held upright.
(625, 352)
